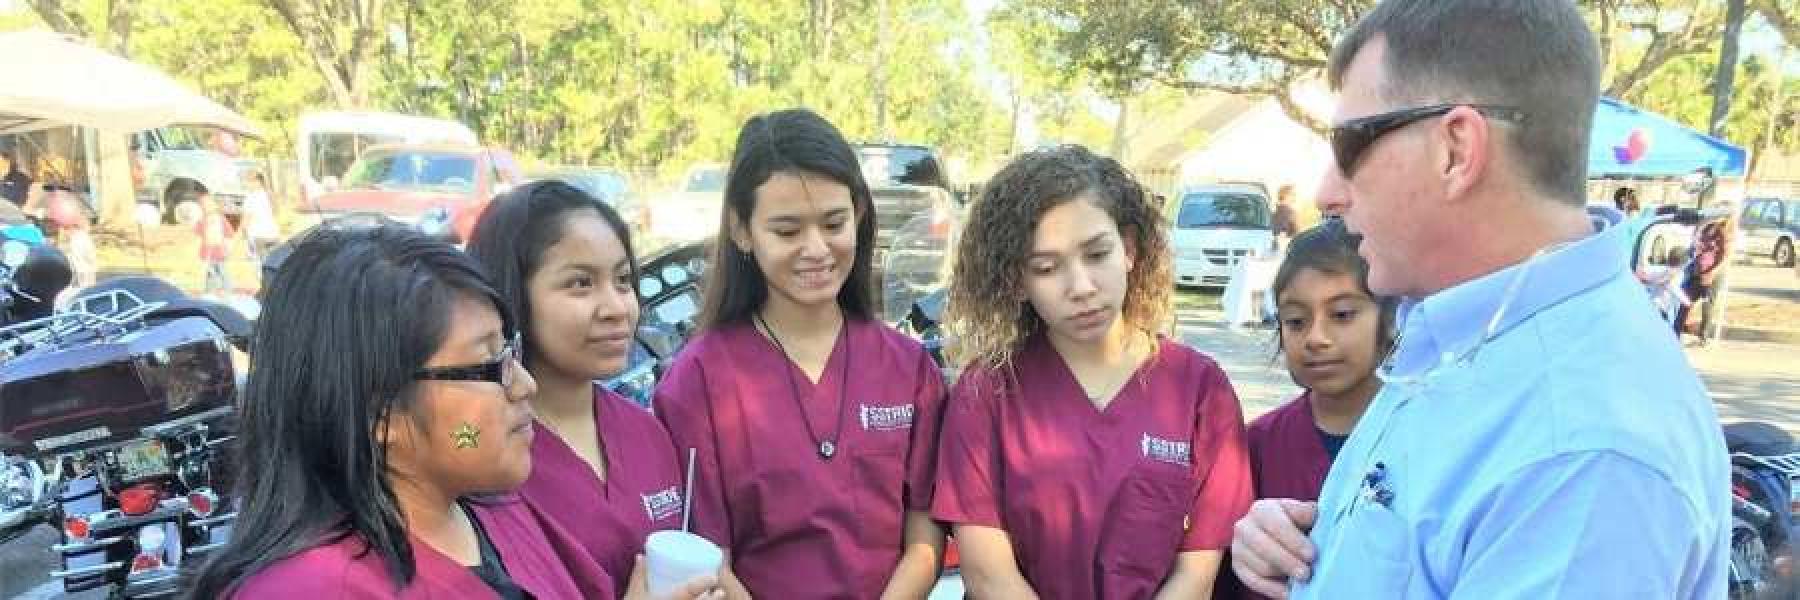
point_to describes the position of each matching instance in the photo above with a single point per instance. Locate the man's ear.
(1464, 155)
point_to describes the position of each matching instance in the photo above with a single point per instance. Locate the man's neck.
(1509, 231)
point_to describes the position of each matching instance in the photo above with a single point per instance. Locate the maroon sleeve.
(928, 420)
(683, 404)
(1225, 490)
(968, 477)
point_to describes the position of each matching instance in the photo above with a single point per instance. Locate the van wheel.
(1784, 252)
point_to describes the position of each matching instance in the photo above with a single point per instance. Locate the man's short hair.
(1535, 55)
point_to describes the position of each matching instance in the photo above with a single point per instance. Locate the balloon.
(1623, 155)
(1639, 143)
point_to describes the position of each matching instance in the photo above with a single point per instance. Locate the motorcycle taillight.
(139, 500)
(77, 528)
(202, 502)
(145, 562)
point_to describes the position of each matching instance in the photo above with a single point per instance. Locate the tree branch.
(61, 19)
(1785, 21)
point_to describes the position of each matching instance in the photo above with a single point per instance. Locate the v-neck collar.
(603, 483)
(1064, 375)
(833, 363)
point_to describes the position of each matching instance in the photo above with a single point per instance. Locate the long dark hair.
(519, 226)
(796, 141)
(346, 321)
(1330, 247)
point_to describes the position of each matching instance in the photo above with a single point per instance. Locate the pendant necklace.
(827, 446)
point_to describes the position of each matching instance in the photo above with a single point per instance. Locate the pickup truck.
(906, 181)
(409, 183)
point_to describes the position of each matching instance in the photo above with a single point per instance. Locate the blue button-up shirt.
(1570, 453)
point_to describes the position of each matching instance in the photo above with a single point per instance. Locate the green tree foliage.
(650, 84)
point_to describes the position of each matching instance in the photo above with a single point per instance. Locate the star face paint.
(467, 436)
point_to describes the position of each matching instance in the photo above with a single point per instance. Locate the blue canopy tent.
(1630, 142)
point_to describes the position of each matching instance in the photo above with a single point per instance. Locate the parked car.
(428, 185)
(905, 181)
(692, 211)
(1770, 227)
(178, 166)
(329, 142)
(609, 185)
(1217, 226)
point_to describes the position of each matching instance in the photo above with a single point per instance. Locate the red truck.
(420, 184)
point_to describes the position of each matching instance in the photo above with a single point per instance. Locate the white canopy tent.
(61, 81)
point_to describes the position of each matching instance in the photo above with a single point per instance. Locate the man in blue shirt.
(1539, 433)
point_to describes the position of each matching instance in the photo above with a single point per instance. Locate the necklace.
(827, 446)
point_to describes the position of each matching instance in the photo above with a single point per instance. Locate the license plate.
(141, 459)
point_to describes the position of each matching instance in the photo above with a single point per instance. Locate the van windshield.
(1223, 209)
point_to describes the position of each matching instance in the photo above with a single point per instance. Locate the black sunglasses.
(494, 371)
(1352, 138)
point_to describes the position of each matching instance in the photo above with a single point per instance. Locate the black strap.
(492, 569)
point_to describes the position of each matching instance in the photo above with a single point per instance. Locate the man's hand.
(1269, 545)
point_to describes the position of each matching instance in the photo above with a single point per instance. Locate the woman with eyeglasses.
(602, 467)
(384, 425)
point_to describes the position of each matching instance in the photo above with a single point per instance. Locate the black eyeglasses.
(495, 371)
(1352, 138)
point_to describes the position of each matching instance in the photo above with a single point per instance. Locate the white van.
(329, 142)
(1214, 227)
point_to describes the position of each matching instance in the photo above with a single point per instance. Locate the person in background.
(1285, 223)
(74, 235)
(16, 185)
(215, 233)
(1705, 275)
(261, 232)
(815, 425)
(1626, 200)
(1084, 456)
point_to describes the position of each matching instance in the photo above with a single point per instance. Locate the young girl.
(215, 233)
(601, 466)
(1083, 456)
(1333, 335)
(385, 409)
(815, 425)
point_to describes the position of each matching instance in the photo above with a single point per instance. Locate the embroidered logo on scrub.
(664, 504)
(885, 418)
(1169, 451)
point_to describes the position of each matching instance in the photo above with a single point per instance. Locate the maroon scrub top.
(1287, 454)
(799, 526)
(531, 547)
(641, 494)
(1098, 503)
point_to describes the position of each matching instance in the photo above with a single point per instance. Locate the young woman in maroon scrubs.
(385, 410)
(1083, 456)
(602, 467)
(815, 425)
(1333, 334)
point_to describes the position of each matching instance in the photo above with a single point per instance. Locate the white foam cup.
(676, 557)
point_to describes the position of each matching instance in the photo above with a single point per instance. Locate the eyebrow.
(1098, 238)
(792, 219)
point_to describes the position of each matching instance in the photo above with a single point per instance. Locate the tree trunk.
(1726, 75)
(118, 25)
(1785, 22)
(60, 18)
(1120, 127)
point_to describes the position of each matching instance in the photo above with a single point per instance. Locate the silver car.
(1770, 227)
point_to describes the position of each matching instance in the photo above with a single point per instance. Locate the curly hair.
(986, 318)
